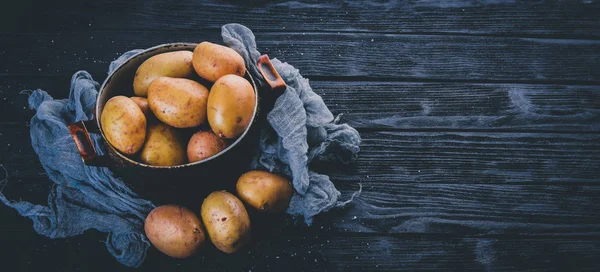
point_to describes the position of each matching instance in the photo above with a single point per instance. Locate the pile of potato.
(178, 232)
(145, 127)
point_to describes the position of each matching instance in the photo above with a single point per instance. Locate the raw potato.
(174, 230)
(231, 104)
(171, 64)
(179, 102)
(212, 61)
(163, 146)
(265, 191)
(226, 220)
(142, 102)
(124, 124)
(203, 145)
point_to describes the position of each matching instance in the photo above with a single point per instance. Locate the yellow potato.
(226, 220)
(265, 191)
(212, 61)
(142, 102)
(174, 230)
(178, 102)
(231, 104)
(172, 64)
(203, 145)
(123, 124)
(163, 146)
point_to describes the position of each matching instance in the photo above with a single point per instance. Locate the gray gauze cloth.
(83, 197)
(301, 130)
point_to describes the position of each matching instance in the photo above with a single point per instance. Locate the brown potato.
(212, 61)
(174, 230)
(142, 102)
(226, 220)
(163, 146)
(203, 145)
(179, 102)
(265, 191)
(171, 64)
(231, 104)
(123, 124)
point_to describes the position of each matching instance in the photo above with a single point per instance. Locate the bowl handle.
(268, 72)
(87, 151)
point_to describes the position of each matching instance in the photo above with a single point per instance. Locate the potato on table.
(226, 221)
(174, 230)
(265, 191)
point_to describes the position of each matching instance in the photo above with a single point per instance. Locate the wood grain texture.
(413, 106)
(325, 55)
(481, 17)
(315, 252)
(437, 210)
(474, 210)
(463, 106)
(480, 125)
(474, 157)
(421, 157)
(386, 253)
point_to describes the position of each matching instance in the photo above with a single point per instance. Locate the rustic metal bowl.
(217, 172)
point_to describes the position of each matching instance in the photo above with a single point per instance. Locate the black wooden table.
(480, 123)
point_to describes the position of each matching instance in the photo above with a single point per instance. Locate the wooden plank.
(449, 210)
(483, 17)
(312, 251)
(341, 247)
(421, 157)
(306, 252)
(463, 106)
(385, 253)
(475, 157)
(470, 209)
(510, 226)
(325, 55)
(15, 90)
(414, 106)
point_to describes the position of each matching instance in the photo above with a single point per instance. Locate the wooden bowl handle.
(87, 151)
(269, 73)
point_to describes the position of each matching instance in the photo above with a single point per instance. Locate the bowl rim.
(177, 46)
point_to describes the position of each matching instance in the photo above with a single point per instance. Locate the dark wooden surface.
(480, 123)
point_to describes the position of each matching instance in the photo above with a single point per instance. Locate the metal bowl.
(217, 172)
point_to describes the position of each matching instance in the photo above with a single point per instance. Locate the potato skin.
(163, 146)
(142, 102)
(204, 144)
(226, 220)
(174, 230)
(265, 191)
(178, 102)
(124, 124)
(212, 61)
(231, 104)
(171, 64)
